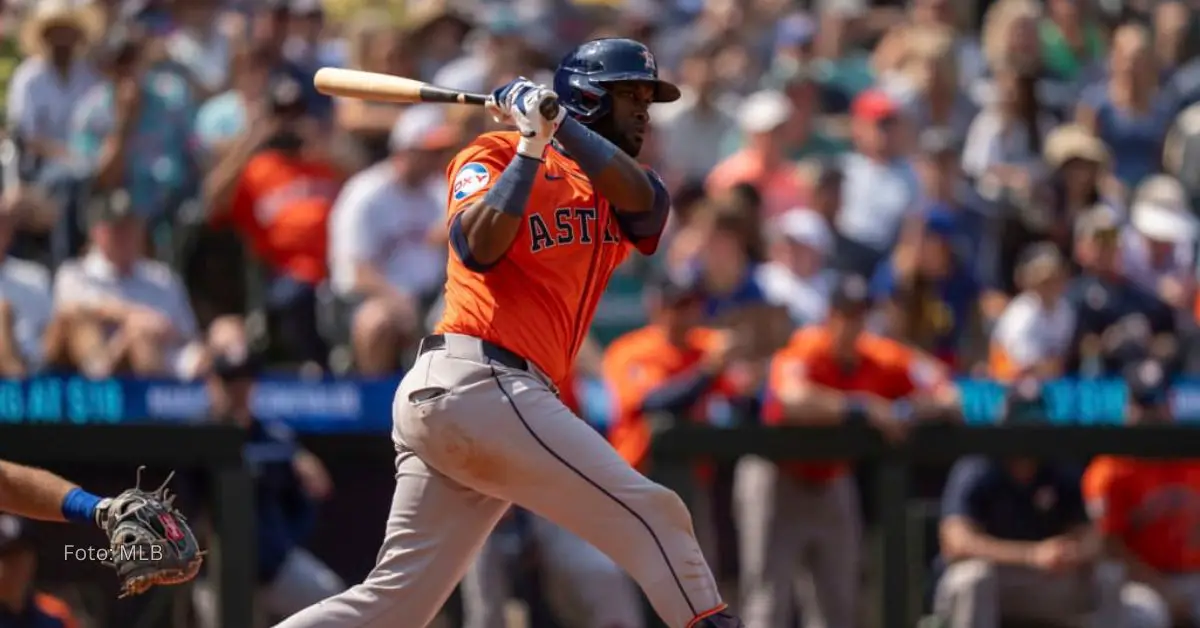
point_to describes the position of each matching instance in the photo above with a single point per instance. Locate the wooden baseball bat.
(381, 87)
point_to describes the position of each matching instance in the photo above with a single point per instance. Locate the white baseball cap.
(807, 227)
(764, 111)
(422, 127)
(1164, 222)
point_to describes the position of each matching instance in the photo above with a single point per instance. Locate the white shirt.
(989, 143)
(689, 134)
(1029, 333)
(1138, 267)
(876, 198)
(378, 221)
(25, 286)
(150, 284)
(41, 104)
(806, 298)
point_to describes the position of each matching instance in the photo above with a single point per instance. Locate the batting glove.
(537, 129)
(500, 102)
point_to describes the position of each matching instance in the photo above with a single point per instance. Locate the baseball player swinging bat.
(538, 219)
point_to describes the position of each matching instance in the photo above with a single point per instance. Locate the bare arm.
(220, 183)
(961, 539)
(361, 117)
(110, 167)
(33, 493)
(811, 404)
(488, 230)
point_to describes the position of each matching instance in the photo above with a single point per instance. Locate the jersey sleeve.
(644, 229)
(474, 171)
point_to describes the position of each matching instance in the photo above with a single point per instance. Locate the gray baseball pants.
(474, 436)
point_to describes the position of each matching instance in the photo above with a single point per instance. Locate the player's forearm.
(37, 493)
(616, 176)
(960, 541)
(813, 406)
(482, 234)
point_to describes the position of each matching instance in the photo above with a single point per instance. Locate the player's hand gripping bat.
(397, 89)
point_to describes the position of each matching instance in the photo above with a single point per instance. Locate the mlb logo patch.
(470, 179)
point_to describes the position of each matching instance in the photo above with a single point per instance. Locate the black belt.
(491, 351)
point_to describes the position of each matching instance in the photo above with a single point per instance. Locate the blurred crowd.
(925, 190)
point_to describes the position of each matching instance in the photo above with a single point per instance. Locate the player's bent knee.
(969, 576)
(667, 504)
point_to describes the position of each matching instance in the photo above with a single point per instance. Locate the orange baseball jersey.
(1152, 506)
(282, 206)
(885, 368)
(539, 299)
(636, 364)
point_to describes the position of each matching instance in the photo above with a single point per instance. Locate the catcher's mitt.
(150, 542)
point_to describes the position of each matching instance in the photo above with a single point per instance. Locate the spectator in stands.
(673, 370)
(1003, 149)
(276, 188)
(1012, 43)
(197, 44)
(764, 161)
(944, 186)
(881, 189)
(797, 275)
(824, 178)
(1158, 248)
(1017, 543)
(802, 519)
(968, 57)
(690, 127)
(1033, 336)
(32, 337)
(127, 314)
(1177, 44)
(271, 27)
(290, 482)
(722, 261)
(1129, 111)
(929, 291)
(21, 605)
(134, 131)
(307, 45)
(387, 242)
(223, 119)
(927, 83)
(1146, 512)
(1116, 319)
(1072, 41)
(375, 45)
(1080, 178)
(53, 78)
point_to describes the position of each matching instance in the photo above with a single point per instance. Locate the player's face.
(629, 122)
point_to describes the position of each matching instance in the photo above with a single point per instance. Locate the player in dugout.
(21, 605)
(802, 518)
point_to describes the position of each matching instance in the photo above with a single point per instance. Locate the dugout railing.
(674, 450)
(215, 449)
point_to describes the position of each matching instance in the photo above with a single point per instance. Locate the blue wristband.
(510, 194)
(79, 506)
(592, 152)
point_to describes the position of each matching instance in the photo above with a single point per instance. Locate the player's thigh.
(303, 579)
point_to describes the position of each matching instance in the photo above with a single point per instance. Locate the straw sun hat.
(82, 16)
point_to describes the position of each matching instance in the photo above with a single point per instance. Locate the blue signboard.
(364, 406)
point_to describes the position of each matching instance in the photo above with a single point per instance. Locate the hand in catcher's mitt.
(150, 542)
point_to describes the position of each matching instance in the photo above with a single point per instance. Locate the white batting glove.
(536, 129)
(498, 112)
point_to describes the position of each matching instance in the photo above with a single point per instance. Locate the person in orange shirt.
(1148, 512)
(673, 369)
(21, 606)
(277, 190)
(803, 518)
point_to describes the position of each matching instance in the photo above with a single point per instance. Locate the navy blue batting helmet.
(583, 75)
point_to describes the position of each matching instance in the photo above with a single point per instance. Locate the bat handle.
(549, 108)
